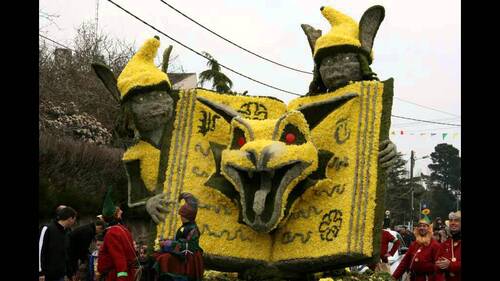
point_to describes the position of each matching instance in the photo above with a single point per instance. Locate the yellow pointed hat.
(141, 72)
(344, 32)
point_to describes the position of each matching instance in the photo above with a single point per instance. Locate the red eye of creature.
(290, 138)
(241, 141)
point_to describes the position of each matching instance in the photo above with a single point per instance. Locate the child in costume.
(182, 257)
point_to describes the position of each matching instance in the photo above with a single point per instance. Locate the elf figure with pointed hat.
(183, 256)
(148, 105)
(117, 258)
(421, 255)
(343, 57)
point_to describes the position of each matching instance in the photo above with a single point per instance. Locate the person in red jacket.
(421, 255)
(117, 257)
(449, 256)
(385, 239)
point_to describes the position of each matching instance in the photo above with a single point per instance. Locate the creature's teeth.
(250, 174)
(259, 201)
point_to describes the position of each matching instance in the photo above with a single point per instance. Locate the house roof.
(177, 77)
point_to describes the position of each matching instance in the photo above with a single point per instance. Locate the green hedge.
(77, 174)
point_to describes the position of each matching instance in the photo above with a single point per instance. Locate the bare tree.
(65, 76)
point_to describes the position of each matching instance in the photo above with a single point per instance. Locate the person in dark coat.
(80, 239)
(421, 255)
(407, 236)
(449, 256)
(182, 258)
(53, 245)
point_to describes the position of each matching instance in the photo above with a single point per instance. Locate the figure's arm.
(387, 154)
(395, 246)
(138, 193)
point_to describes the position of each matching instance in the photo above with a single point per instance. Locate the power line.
(259, 56)
(426, 121)
(54, 41)
(407, 118)
(428, 107)
(231, 42)
(417, 123)
(196, 52)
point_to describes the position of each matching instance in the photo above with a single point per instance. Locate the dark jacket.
(53, 245)
(80, 239)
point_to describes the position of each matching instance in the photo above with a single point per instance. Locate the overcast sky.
(418, 44)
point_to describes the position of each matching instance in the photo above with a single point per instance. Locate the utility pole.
(412, 164)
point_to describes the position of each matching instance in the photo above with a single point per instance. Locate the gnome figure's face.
(340, 68)
(151, 110)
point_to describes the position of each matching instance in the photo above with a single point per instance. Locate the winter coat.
(117, 254)
(453, 272)
(53, 251)
(419, 260)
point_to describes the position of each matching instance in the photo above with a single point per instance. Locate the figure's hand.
(156, 206)
(387, 155)
(443, 263)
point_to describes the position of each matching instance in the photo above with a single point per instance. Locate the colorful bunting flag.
(443, 135)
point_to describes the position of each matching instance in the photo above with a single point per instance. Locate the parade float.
(296, 188)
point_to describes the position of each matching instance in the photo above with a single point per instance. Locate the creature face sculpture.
(258, 164)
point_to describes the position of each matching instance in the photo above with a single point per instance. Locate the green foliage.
(220, 82)
(444, 182)
(76, 173)
(445, 167)
(442, 202)
(398, 192)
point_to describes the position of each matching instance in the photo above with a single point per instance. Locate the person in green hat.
(117, 258)
(420, 258)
